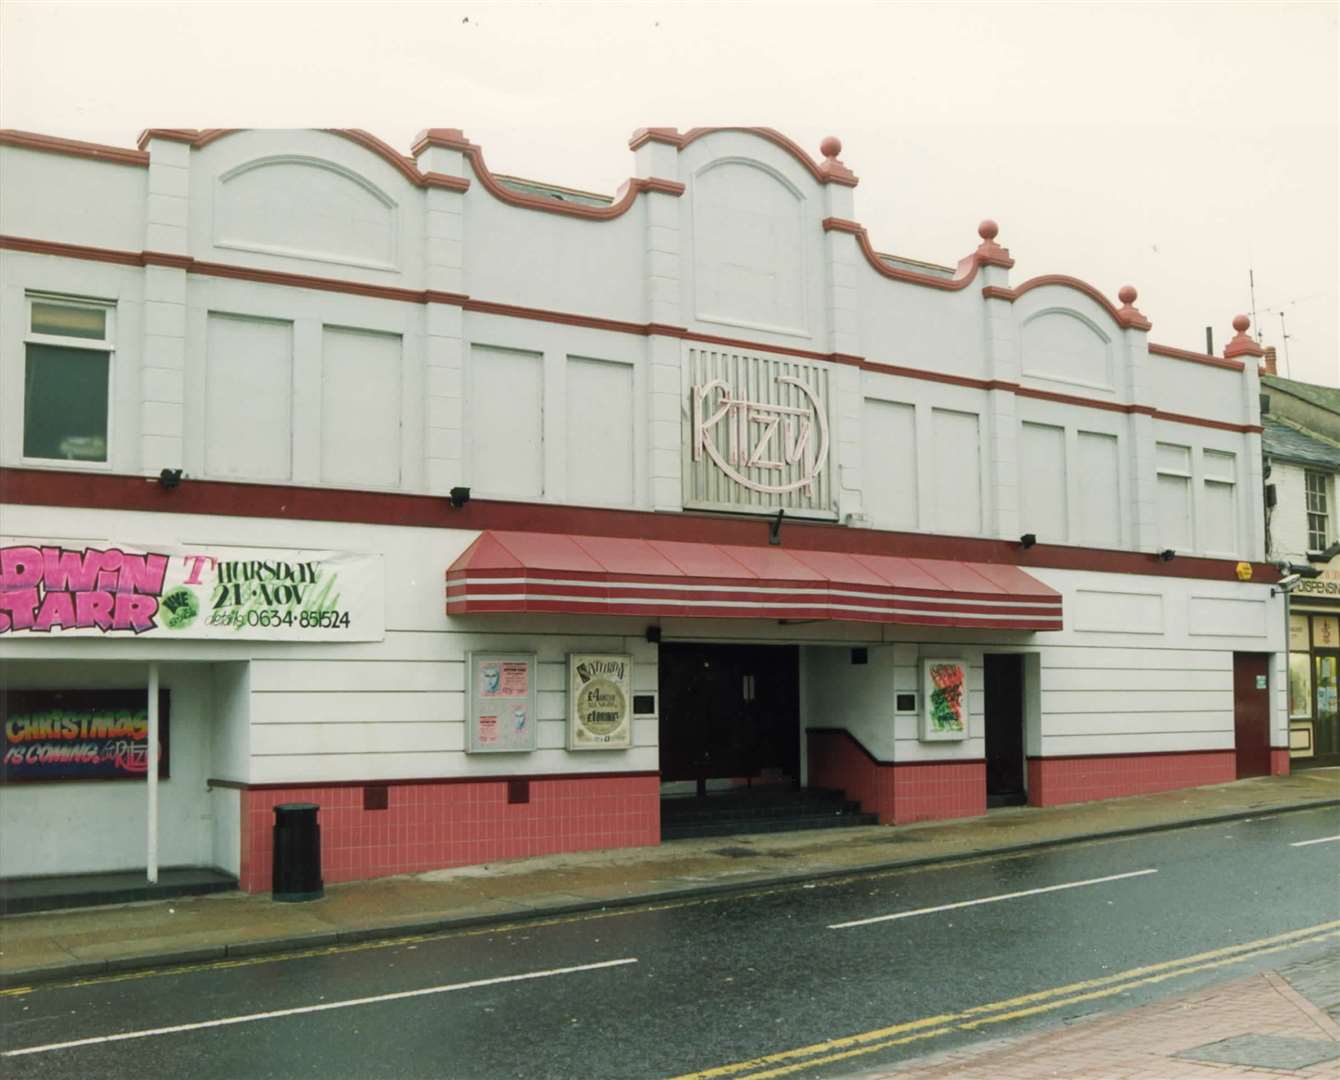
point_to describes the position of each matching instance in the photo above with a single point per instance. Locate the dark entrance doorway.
(729, 711)
(1004, 694)
(1251, 714)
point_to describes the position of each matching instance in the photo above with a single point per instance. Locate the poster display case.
(500, 712)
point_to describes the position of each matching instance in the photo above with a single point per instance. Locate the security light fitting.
(170, 478)
(1028, 540)
(459, 496)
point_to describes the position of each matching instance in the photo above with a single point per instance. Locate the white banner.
(162, 591)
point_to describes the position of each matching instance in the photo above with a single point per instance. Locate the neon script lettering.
(48, 588)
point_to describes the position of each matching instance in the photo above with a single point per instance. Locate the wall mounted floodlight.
(653, 635)
(1326, 555)
(459, 496)
(1166, 555)
(775, 530)
(1028, 540)
(170, 478)
(1287, 584)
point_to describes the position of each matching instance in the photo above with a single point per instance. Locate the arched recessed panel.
(1063, 346)
(748, 248)
(305, 208)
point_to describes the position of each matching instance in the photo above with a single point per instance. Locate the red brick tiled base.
(1053, 781)
(1279, 761)
(898, 792)
(429, 826)
(839, 762)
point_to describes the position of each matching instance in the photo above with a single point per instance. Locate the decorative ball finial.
(988, 230)
(831, 147)
(1127, 294)
(1241, 323)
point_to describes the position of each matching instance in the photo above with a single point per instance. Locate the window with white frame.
(67, 379)
(1318, 510)
(1221, 507)
(1173, 464)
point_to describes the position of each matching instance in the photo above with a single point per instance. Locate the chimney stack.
(1268, 364)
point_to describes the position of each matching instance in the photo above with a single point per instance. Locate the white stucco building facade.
(1001, 484)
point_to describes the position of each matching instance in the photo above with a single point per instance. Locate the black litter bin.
(297, 862)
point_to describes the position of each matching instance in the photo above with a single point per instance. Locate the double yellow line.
(1017, 1008)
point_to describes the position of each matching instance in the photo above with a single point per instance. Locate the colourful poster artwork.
(80, 734)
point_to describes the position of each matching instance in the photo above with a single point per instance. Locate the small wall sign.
(944, 695)
(1260, 682)
(500, 691)
(600, 701)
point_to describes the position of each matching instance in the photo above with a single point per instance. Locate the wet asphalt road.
(718, 982)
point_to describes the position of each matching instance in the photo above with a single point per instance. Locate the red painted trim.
(71, 251)
(452, 139)
(516, 311)
(892, 764)
(831, 171)
(1136, 754)
(1126, 316)
(60, 487)
(963, 276)
(404, 165)
(1195, 357)
(51, 144)
(296, 785)
(1221, 425)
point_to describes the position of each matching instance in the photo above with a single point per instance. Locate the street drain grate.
(1264, 1052)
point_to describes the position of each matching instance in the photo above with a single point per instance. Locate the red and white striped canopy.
(554, 573)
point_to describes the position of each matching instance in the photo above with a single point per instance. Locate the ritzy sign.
(759, 434)
(115, 590)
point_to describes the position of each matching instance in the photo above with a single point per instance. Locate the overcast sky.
(1169, 146)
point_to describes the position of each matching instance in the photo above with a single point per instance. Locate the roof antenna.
(1251, 283)
(1285, 335)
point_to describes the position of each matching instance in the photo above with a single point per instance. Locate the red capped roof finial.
(1242, 345)
(988, 251)
(1128, 314)
(831, 168)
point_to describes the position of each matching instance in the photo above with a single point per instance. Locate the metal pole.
(153, 775)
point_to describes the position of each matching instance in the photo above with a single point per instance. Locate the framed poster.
(600, 701)
(500, 702)
(81, 735)
(944, 696)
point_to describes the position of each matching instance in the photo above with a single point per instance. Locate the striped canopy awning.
(548, 573)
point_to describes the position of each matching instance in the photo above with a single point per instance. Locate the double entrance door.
(729, 711)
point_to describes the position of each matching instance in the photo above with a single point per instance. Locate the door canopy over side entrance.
(552, 573)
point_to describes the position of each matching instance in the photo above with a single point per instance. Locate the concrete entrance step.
(19, 895)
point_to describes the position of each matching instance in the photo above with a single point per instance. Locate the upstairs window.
(1318, 510)
(66, 379)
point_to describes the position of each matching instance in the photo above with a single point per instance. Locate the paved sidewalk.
(47, 945)
(1258, 1026)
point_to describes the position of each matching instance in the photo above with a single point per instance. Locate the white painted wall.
(262, 381)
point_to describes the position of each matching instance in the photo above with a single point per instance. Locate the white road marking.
(323, 1007)
(1320, 840)
(990, 899)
